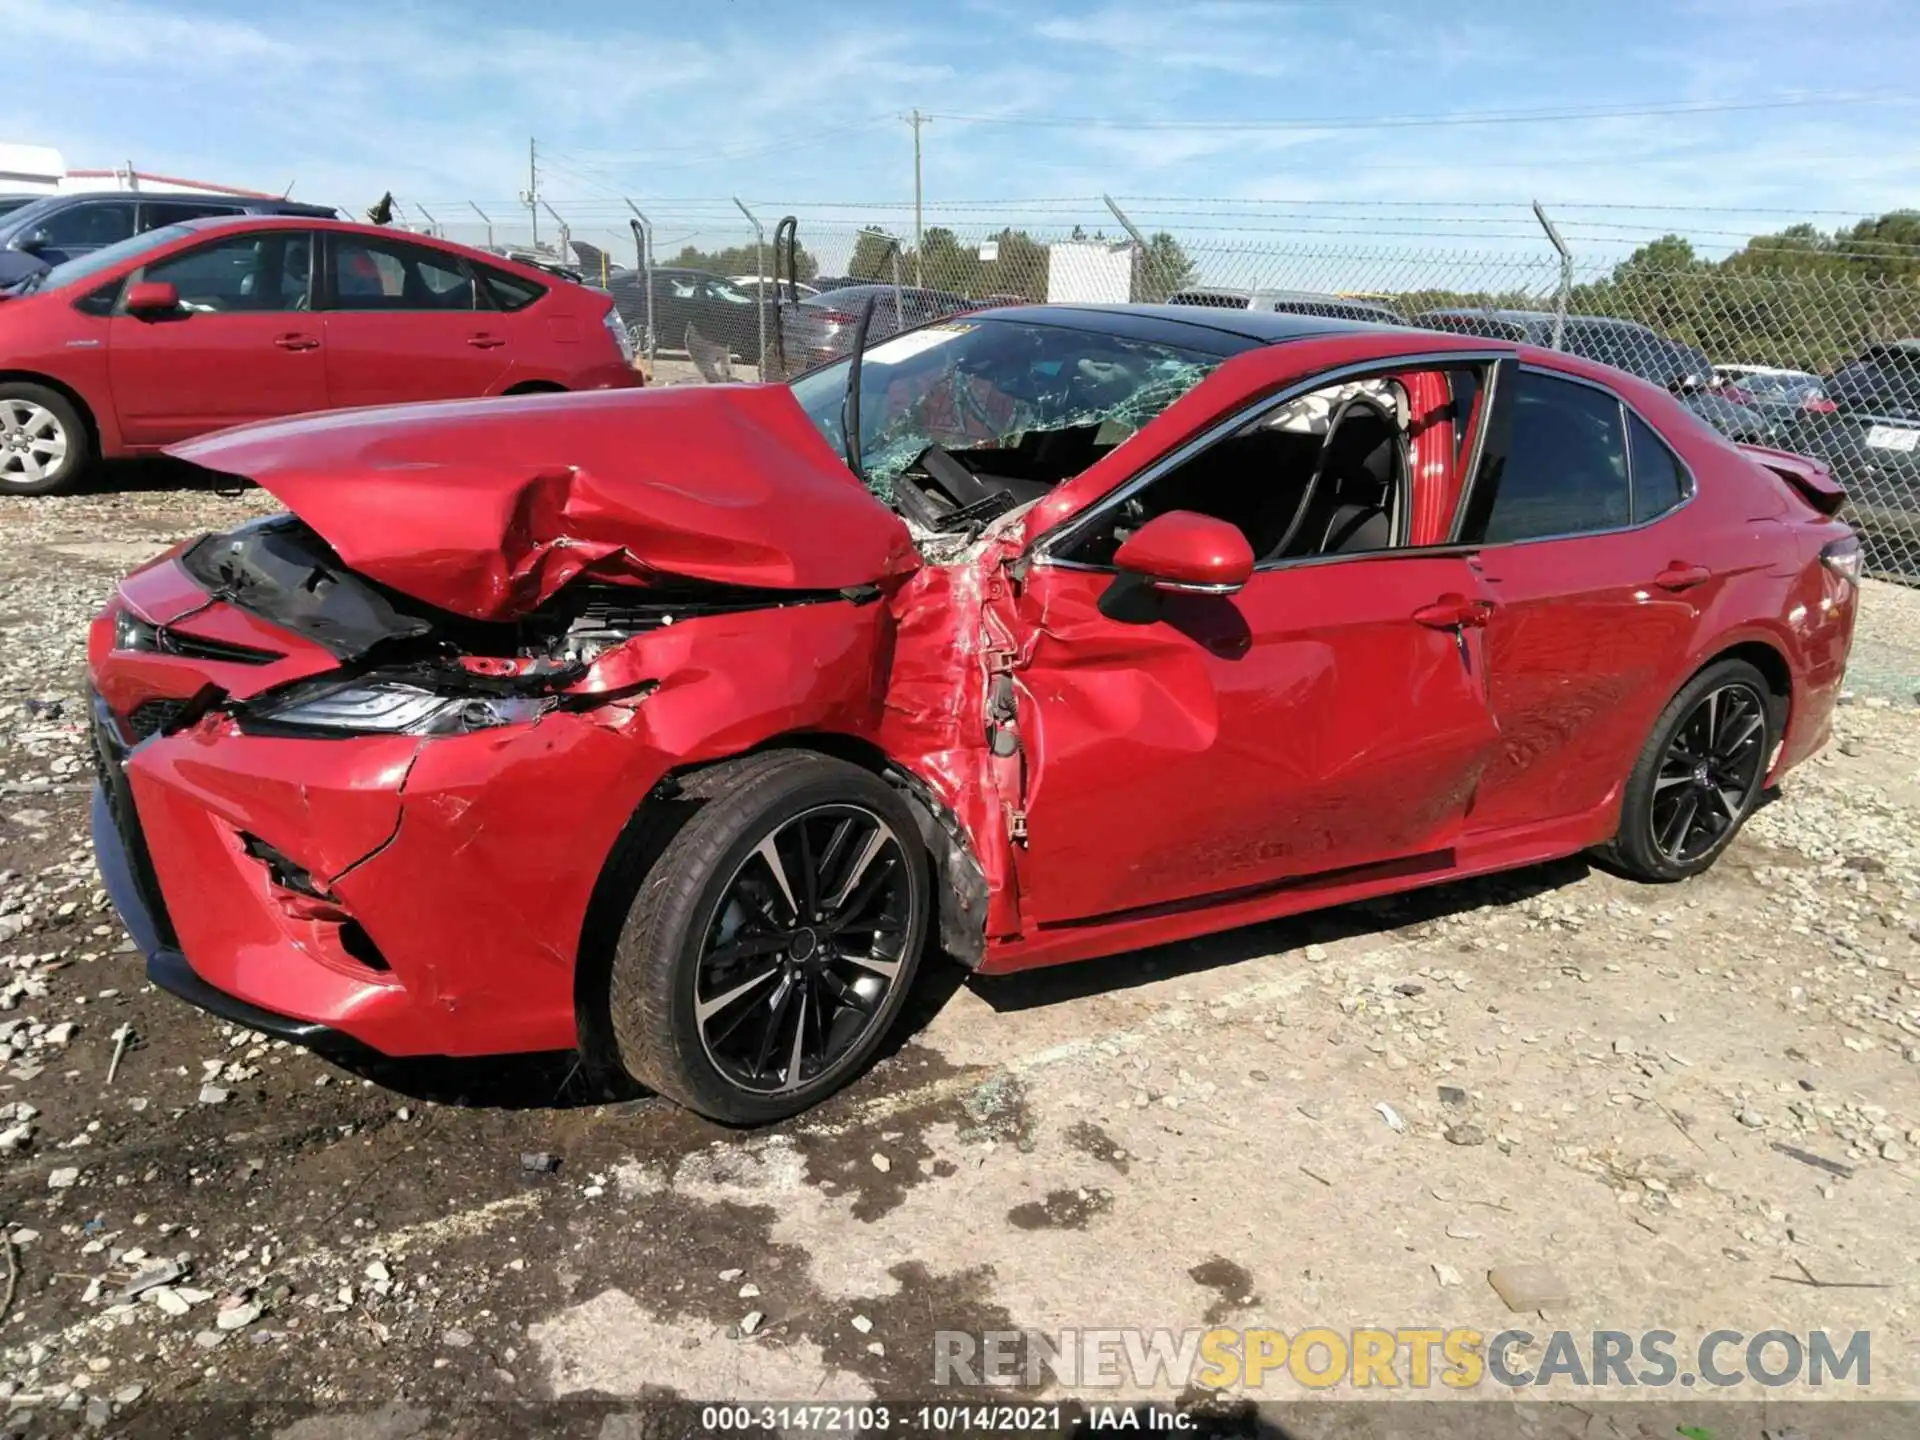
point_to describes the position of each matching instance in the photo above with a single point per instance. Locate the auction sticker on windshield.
(914, 342)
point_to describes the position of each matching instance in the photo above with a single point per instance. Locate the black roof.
(1200, 327)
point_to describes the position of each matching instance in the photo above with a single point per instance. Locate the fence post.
(566, 235)
(1141, 250)
(1566, 273)
(433, 225)
(486, 217)
(759, 279)
(643, 246)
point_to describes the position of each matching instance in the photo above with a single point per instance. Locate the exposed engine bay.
(280, 570)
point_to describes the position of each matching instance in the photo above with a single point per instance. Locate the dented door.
(1309, 724)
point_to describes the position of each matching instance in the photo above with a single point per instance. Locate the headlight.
(130, 632)
(390, 707)
(620, 335)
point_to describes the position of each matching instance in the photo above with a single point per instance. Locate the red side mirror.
(152, 297)
(1188, 552)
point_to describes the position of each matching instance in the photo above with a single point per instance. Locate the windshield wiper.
(850, 401)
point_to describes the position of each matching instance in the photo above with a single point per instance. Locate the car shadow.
(561, 1080)
(544, 1080)
(147, 474)
(1054, 984)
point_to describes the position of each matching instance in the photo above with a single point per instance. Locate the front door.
(241, 346)
(1308, 724)
(406, 322)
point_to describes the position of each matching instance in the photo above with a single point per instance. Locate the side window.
(1658, 485)
(393, 275)
(1566, 466)
(1325, 473)
(261, 270)
(101, 299)
(682, 288)
(155, 213)
(728, 294)
(510, 292)
(102, 223)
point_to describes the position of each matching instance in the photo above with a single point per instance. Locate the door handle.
(1454, 612)
(296, 342)
(1678, 576)
(485, 342)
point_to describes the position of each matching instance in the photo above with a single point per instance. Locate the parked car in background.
(216, 322)
(1682, 369)
(1288, 302)
(696, 723)
(1870, 436)
(720, 310)
(11, 203)
(759, 282)
(53, 229)
(1784, 394)
(821, 328)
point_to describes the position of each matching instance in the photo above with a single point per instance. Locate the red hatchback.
(198, 326)
(676, 724)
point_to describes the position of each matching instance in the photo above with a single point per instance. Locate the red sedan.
(675, 724)
(192, 327)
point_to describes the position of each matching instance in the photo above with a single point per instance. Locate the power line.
(1486, 117)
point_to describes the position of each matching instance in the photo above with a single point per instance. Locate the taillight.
(1844, 558)
(1818, 405)
(833, 317)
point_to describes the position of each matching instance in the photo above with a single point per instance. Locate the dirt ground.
(1698, 1106)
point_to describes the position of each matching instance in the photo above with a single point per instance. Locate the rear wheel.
(44, 444)
(1699, 777)
(772, 944)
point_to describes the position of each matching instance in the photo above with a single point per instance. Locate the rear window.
(509, 292)
(1658, 484)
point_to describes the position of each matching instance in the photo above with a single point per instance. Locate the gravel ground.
(1698, 1105)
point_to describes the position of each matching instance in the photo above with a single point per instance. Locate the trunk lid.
(1805, 476)
(487, 507)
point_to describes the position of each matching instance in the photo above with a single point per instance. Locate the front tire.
(44, 444)
(1699, 777)
(773, 943)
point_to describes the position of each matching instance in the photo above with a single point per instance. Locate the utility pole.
(531, 198)
(916, 119)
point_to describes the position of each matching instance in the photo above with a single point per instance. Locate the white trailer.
(1090, 272)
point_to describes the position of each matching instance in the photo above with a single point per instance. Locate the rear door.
(407, 322)
(155, 213)
(83, 228)
(242, 346)
(1597, 580)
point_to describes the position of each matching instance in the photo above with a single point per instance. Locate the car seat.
(1350, 503)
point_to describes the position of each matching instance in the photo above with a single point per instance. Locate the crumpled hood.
(487, 507)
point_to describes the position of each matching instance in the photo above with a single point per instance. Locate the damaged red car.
(675, 725)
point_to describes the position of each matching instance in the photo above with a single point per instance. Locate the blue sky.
(682, 105)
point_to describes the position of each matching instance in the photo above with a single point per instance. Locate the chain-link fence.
(1800, 343)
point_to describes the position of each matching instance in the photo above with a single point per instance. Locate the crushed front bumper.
(408, 896)
(126, 871)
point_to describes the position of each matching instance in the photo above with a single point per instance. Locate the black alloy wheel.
(772, 936)
(1710, 772)
(805, 945)
(1699, 775)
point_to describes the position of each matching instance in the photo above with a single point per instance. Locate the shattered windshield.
(970, 385)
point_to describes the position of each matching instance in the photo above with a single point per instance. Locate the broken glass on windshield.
(1022, 405)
